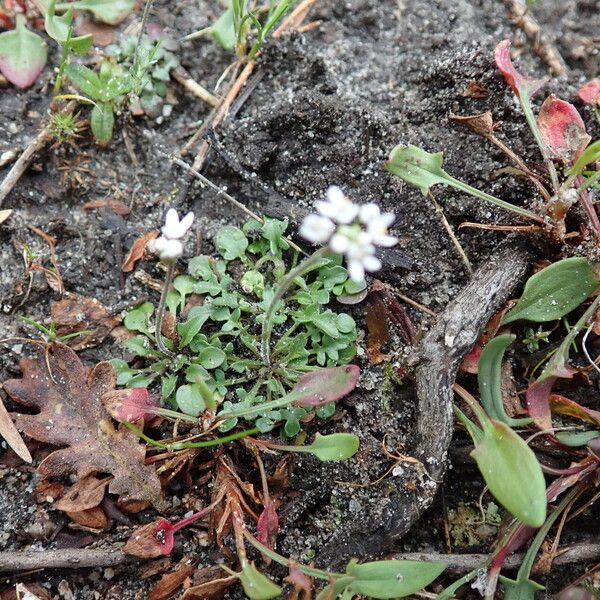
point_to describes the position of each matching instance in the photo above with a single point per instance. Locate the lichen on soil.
(330, 105)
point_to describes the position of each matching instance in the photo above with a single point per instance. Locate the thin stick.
(186, 80)
(491, 227)
(462, 563)
(220, 192)
(452, 235)
(70, 558)
(295, 18)
(415, 304)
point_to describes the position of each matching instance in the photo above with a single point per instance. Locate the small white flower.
(316, 229)
(377, 225)
(338, 207)
(165, 248)
(360, 257)
(174, 229)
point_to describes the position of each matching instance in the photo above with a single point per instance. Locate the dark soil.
(330, 105)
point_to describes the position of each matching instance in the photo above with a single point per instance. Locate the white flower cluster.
(168, 246)
(351, 230)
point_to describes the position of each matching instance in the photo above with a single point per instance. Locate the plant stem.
(161, 309)
(282, 288)
(285, 562)
(525, 103)
(63, 61)
(145, 16)
(465, 187)
(184, 445)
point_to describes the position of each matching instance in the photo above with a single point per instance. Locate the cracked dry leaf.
(69, 399)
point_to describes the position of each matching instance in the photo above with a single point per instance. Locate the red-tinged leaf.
(132, 404)
(518, 83)
(565, 406)
(538, 402)
(22, 54)
(68, 397)
(267, 527)
(590, 92)
(470, 363)
(562, 128)
(325, 385)
(152, 540)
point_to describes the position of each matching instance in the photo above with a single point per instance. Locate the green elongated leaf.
(392, 578)
(191, 327)
(58, 29)
(424, 169)
(138, 318)
(102, 122)
(489, 378)
(231, 242)
(86, 80)
(417, 167)
(589, 155)
(333, 590)
(111, 12)
(189, 399)
(576, 438)
(22, 54)
(337, 446)
(223, 31)
(256, 585)
(512, 473)
(523, 588)
(555, 291)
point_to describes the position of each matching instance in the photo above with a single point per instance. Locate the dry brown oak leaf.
(69, 399)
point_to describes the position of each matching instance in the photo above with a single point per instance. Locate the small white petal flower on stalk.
(337, 207)
(360, 257)
(174, 229)
(316, 229)
(377, 225)
(165, 248)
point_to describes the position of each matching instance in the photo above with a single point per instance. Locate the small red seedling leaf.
(152, 540)
(538, 402)
(566, 406)
(519, 84)
(268, 527)
(562, 128)
(132, 405)
(158, 538)
(590, 92)
(325, 385)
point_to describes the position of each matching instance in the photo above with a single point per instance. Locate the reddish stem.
(201, 513)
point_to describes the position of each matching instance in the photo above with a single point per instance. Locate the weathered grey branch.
(440, 352)
(459, 564)
(69, 558)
